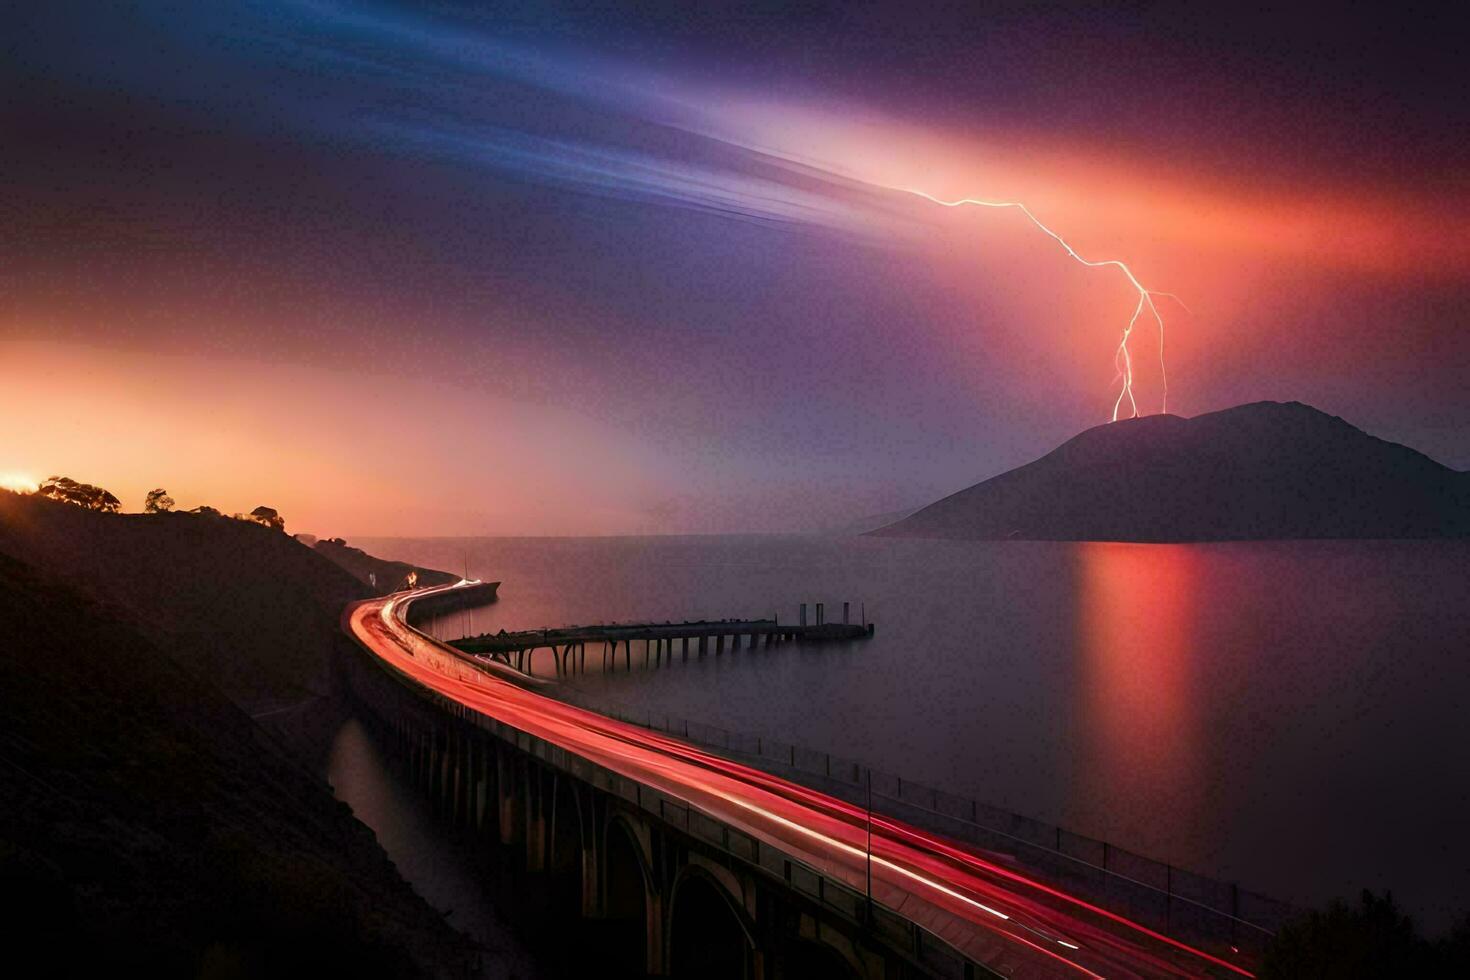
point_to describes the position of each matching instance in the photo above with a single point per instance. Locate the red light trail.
(1042, 931)
(1122, 357)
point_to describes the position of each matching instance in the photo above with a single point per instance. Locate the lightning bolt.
(1122, 356)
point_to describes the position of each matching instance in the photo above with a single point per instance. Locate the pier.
(568, 645)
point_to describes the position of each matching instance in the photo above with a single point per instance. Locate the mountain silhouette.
(1258, 471)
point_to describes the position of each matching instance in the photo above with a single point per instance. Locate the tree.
(268, 517)
(204, 510)
(1364, 942)
(158, 502)
(84, 495)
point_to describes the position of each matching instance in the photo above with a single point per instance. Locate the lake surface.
(1293, 716)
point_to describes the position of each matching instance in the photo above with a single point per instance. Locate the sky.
(459, 268)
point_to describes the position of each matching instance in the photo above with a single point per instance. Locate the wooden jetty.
(568, 645)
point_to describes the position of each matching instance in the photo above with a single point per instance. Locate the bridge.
(714, 867)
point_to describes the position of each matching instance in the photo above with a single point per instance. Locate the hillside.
(248, 607)
(148, 826)
(390, 575)
(1259, 471)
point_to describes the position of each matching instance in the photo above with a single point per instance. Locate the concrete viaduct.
(690, 896)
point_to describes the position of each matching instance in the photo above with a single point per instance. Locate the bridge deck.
(568, 645)
(975, 907)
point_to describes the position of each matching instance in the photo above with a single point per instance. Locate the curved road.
(1009, 921)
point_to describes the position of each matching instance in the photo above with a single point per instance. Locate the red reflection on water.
(1141, 735)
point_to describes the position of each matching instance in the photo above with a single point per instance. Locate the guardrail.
(1217, 916)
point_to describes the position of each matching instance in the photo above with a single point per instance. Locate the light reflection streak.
(1136, 631)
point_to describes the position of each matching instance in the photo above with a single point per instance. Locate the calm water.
(448, 875)
(1293, 716)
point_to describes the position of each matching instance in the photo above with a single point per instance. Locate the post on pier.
(535, 810)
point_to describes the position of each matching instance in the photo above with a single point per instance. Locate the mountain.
(863, 525)
(1258, 471)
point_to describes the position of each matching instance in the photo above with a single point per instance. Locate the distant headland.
(1266, 470)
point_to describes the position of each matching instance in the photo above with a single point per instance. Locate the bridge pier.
(441, 768)
(507, 799)
(452, 788)
(482, 785)
(535, 801)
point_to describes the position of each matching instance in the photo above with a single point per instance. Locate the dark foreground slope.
(148, 826)
(248, 607)
(1265, 470)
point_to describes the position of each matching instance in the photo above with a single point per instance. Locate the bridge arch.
(630, 897)
(567, 834)
(711, 934)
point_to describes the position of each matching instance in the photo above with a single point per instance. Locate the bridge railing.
(1213, 915)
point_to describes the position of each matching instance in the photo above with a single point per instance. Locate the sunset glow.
(665, 257)
(798, 489)
(18, 482)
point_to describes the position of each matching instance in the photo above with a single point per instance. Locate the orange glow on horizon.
(19, 482)
(323, 448)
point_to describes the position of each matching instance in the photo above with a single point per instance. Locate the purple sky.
(587, 270)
